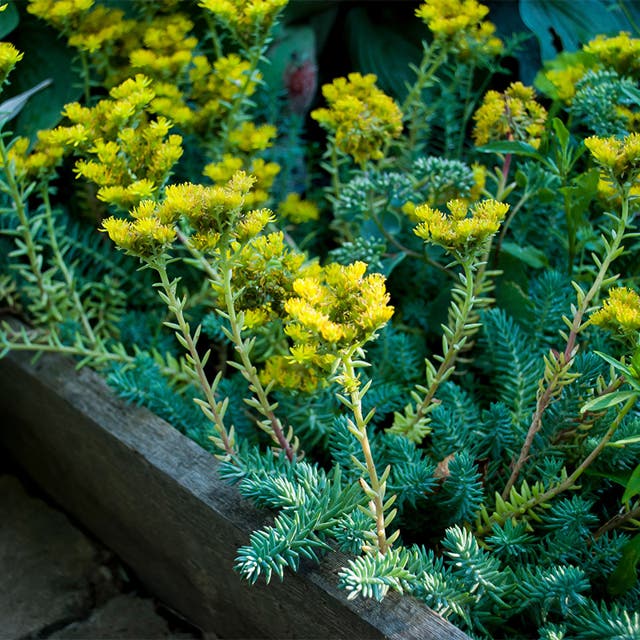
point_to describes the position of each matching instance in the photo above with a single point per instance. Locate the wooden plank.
(157, 500)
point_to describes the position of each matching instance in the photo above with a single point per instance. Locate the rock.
(46, 565)
(125, 617)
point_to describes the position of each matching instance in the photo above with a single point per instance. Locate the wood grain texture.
(156, 499)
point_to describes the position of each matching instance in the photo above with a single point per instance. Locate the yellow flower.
(620, 52)
(144, 237)
(465, 230)
(564, 80)
(250, 138)
(9, 58)
(362, 118)
(512, 115)
(461, 23)
(338, 308)
(62, 14)
(296, 210)
(618, 158)
(620, 313)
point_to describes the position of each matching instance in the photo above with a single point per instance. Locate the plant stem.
(62, 265)
(570, 481)
(376, 487)
(454, 339)
(213, 409)
(31, 249)
(273, 426)
(564, 360)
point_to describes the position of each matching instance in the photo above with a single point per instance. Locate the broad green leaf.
(625, 575)
(513, 147)
(45, 56)
(529, 255)
(633, 486)
(385, 47)
(9, 19)
(608, 400)
(619, 478)
(560, 26)
(10, 108)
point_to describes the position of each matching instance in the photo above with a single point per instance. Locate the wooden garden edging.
(156, 499)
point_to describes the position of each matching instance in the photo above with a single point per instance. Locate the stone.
(46, 564)
(125, 617)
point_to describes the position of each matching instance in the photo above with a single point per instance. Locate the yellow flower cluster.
(362, 118)
(264, 270)
(564, 80)
(512, 115)
(245, 19)
(618, 158)
(126, 154)
(263, 172)
(62, 14)
(465, 230)
(620, 313)
(216, 87)
(99, 28)
(39, 163)
(215, 215)
(145, 236)
(168, 49)
(339, 308)
(461, 23)
(249, 137)
(620, 52)
(297, 210)
(9, 58)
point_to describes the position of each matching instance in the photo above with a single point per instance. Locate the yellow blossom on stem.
(464, 231)
(297, 210)
(339, 308)
(263, 172)
(99, 28)
(621, 52)
(619, 158)
(9, 58)
(361, 117)
(461, 23)
(245, 19)
(512, 115)
(620, 313)
(250, 138)
(62, 14)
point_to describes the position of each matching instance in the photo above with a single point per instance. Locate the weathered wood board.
(156, 499)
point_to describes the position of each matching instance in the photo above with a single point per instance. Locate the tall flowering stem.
(213, 409)
(375, 487)
(271, 423)
(333, 315)
(620, 163)
(468, 240)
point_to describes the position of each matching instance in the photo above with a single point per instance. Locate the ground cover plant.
(414, 337)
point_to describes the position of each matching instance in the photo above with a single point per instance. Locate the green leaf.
(513, 147)
(560, 26)
(562, 132)
(45, 56)
(529, 255)
(625, 575)
(629, 375)
(9, 20)
(581, 193)
(633, 485)
(9, 109)
(608, 400)
(383, 43)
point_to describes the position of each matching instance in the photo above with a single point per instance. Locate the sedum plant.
(427, 357)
